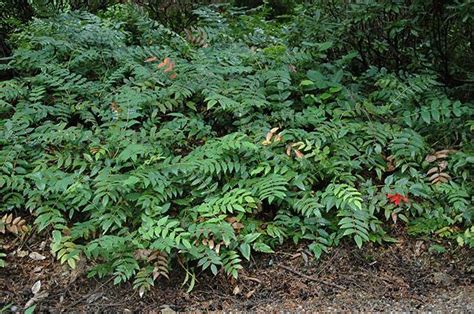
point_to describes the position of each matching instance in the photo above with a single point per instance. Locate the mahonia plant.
(136, 147)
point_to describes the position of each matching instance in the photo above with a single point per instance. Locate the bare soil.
(398, 277)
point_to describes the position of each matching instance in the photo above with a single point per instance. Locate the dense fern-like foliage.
(134, 146)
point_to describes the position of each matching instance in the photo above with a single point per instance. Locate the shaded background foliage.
(413, 35)
(417, 35)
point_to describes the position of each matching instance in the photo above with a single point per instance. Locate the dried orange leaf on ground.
(236, 290)
(36, 256)
(21, 253)
(141, 291)
(394, 217)
(36, 287)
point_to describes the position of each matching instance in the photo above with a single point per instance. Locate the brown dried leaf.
(445, 175)
(161, 265)
(443, 165)
(141, 291)
(441, 155)
(430, 158)
(432, 170)
(169, 68)
(305, 258)
(16, 221)
(38, 269)
(151, 59)
(36, 287)
(231, 219)
(236, 290)
(250, 293)
(441, 179)
(433, 177)
(292, 68)
(8, 218)
(390, 163)
(299, 154)
(36, 256)
(237, 226)
(165, 62)
(12, 229)
(394, 218)
(269, 136)
(94, 150)
(21, 253)
(142, 254)
(115, 108)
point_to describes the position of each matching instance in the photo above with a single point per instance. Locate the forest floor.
(398, 277)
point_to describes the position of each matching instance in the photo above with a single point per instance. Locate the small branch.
(251, 279)
(311, 278)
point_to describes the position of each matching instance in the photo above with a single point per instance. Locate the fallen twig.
(251, 279)
(311, 278)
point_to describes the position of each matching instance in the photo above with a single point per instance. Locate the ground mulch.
(397, 277)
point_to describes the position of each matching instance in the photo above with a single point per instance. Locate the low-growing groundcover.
(140, 149)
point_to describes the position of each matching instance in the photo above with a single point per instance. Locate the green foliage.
(398, 35)
(137, 148)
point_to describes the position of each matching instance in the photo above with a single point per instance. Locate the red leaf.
(397, 198)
